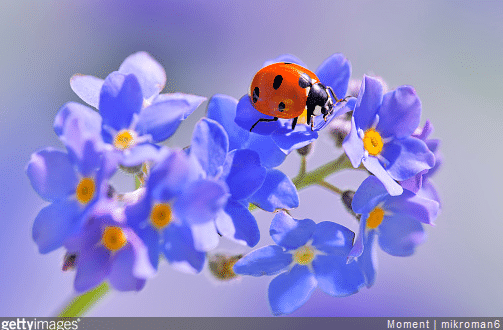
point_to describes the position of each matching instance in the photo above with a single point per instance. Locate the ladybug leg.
(294, 122)
(263, 119)
(310, 115)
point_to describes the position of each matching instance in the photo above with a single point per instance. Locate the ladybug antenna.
(335, 96)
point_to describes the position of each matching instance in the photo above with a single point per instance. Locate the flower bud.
(131, 169)
(340, 127)
(347, 200)
(220, 266)
(306, 150)
(69, 261)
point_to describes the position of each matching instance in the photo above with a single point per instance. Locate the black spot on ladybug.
(304, 81)
(281, 107)
(287, 63)
(256, 92)
(277, 81)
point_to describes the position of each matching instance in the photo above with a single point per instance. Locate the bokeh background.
(450, 51)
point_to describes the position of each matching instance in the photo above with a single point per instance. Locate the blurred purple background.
(449, 51)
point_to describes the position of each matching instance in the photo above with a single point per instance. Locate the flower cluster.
(187, 199)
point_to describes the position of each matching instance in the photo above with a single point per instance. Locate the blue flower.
(176, 214)
(380, 135)
(134, 114)
(307, 255)
(107, 248)
(222, 108)
(73, 182)
(420, 183)
(278, 191)
(334, 72)
(396, 220)
(247, 180)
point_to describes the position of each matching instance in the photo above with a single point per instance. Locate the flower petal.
(222, 108)
(87, 88)
(201, 201)
(353, 145)
(51, 174)
(210, 145)
(422, 209)
(205, 236)
(399, 234)
(407, 157)
(152, 240)
(268, 260)
(288, 139)
(425, 132)
(289, 232)
(269, 152)
(247, 116)
(120, 99)
(55, 223)
(139, 154)
(428, 191)
(337, 278)
(170, 175)
(243, 173)
(400, 113)
(179, 249)
(246, 228)
(84, 147)
(289, 291)
(414, 183)
(288, 58)
(374, 166)
(333, 238)
(92, 268)
(148, 71)
(89, 117)
(368, 260)
(335, 72)
(121, 271)
(277, 192)
(359, 244)
(137, 216)
(165, 114)
(368, 103)
(370, 193)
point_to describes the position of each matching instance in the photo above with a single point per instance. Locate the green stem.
(81, 304)
(330, 187)
(318, 175)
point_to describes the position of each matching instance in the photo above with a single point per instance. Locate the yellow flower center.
(372, 142)
(304, 255)
(85, 190)
(113, 238)
(375, 218)
(124, 140)
(160, 216)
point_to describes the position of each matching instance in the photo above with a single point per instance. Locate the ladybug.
(288, 90)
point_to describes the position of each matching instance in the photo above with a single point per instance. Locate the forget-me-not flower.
(420, 183)
(176, 214)
(107, 248)
(396, 220)
(380, 135)
(134, 114)
(307, 255)
(73, 182)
